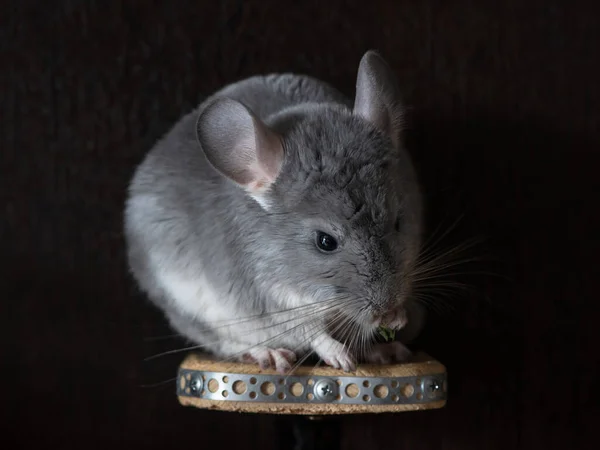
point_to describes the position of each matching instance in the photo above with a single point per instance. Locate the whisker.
(205, 345)
(428, 245)
(261, 344)
(295, 318)
(428, 252)
(161, 338)
(313, 335)
(309, 353)
(160, 383)
(310, 337)
(305, 321)
(354, 332)
(262, 316)
(175, 351)
(436, 258)
(435, 304)
(432, 286)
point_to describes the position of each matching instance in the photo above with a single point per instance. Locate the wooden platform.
(205, 383)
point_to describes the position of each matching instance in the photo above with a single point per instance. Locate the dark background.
(504, 123)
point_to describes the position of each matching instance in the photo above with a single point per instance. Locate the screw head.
(196, 384)
(432, 387)
(325, 389)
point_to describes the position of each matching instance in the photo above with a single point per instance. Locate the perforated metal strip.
(311, 389)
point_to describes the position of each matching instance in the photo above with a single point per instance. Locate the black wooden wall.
(504, 122)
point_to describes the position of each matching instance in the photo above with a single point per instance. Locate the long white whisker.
(263, 343)
(310, 337)
(428, 245)
(208, 344)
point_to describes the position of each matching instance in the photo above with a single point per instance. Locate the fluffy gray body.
(223, 213)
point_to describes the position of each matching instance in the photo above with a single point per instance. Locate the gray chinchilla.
(278, 219)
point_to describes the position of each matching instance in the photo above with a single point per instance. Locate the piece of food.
(386, 333)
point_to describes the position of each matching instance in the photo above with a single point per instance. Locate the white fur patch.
(288, 297)
(262, 201)
(195, 296)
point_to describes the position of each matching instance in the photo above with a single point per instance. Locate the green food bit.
(387, 334)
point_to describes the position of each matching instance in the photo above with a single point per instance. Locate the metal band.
(347, 390)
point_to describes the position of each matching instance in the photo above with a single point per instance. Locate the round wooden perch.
(205, 383)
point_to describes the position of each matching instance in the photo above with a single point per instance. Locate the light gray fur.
(205, 251)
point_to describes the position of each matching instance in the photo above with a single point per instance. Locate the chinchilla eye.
(325, 242)
(397, 224)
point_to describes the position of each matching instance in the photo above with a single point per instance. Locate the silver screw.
(325, 389)
(196, 384)
(433, 387)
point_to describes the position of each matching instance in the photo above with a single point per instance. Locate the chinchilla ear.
(239, 145)
(377, 97)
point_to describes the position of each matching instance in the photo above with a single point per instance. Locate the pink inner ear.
(239, 145)
(269, 153)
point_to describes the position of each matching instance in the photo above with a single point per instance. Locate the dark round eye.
(326, 242)
(397, 224)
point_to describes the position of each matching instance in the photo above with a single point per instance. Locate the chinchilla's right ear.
(239, 145)
(377, 96)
